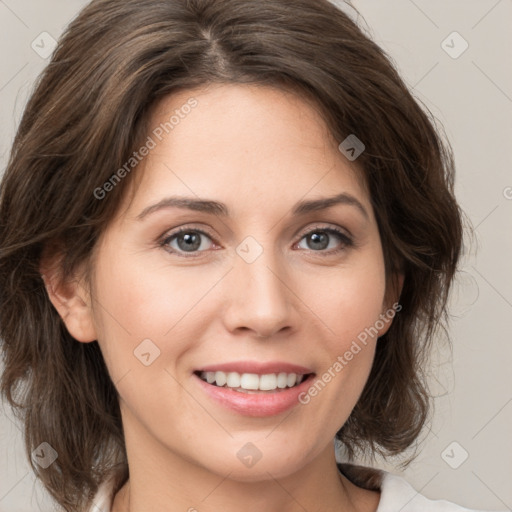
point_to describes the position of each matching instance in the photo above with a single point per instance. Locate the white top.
(396, 495)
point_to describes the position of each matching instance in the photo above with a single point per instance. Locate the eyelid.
(164, 240)
(326, 227)
(345, 236)
(346, 239)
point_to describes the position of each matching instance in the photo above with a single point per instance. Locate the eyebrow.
(221, 210)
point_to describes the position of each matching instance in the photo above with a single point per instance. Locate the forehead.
(240, 140)
(253, 115)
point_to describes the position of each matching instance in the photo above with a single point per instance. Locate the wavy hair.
(89, 112)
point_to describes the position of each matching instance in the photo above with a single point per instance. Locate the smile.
(234, 396)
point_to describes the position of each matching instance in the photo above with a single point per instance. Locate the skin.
(259, 150)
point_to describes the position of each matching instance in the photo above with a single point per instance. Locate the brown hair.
(88, 114)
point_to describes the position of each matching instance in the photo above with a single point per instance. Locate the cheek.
(349, 301)
(348, 304)
(138, 299)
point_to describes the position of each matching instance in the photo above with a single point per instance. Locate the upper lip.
(256, 367)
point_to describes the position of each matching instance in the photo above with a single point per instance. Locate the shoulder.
(396, 492)
(103, 500)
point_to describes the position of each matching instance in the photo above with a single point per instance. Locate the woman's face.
(262, 280)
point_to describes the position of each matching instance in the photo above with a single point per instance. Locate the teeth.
(252, 381)
(232, 380)
(282, 380)
(268, 382)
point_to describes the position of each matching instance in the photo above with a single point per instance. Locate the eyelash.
(346, 241)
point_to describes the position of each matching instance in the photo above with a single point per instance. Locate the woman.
(228, 235)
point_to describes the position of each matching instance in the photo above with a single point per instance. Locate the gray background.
(471, 95)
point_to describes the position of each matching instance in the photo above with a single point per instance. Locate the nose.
(259, 299)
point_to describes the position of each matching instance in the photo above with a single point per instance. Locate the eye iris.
(189, 241)
(319, 239)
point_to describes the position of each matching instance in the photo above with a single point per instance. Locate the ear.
(70, 298)
(390, 304)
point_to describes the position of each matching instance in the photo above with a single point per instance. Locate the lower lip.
(256, 404)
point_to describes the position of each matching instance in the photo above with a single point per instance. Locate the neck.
(161, 480)
(335, 493)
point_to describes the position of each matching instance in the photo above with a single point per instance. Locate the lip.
(255, 404)
(256, 367)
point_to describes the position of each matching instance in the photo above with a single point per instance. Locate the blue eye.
(188, 242)
(320, 239)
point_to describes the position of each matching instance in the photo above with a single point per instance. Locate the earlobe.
(71, 300)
